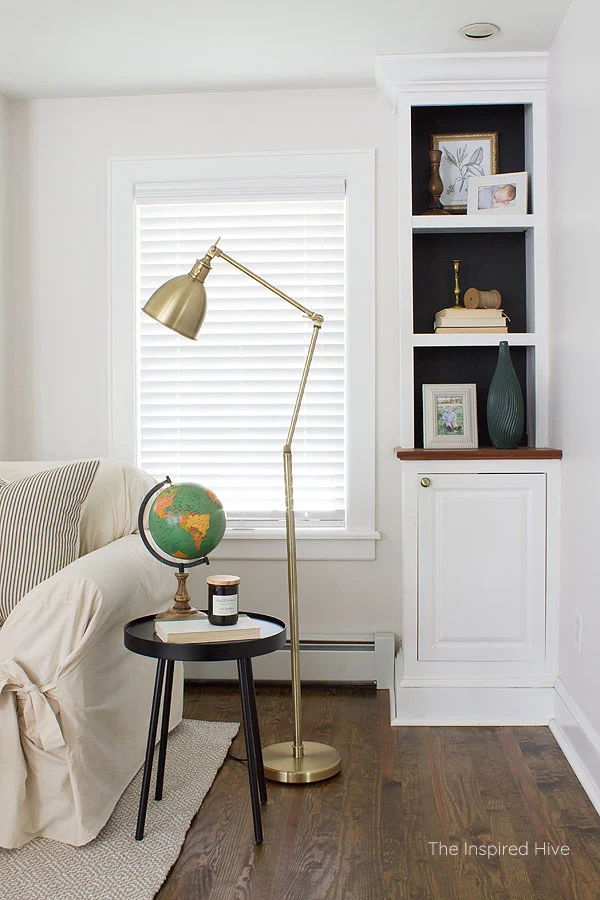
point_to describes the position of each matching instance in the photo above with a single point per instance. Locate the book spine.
(499, 330)
(470, 313)
(470, 323)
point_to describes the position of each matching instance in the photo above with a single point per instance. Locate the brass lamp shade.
(180, 304)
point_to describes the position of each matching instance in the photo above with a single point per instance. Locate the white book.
(470, 322)
(193, 631)
(461, 312)
(471, 330)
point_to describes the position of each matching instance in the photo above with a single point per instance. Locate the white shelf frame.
(468, 80)
(489, 224)
(515, 338)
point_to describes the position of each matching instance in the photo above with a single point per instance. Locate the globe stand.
(182, 608)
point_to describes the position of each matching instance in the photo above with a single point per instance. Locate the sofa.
(74, 704)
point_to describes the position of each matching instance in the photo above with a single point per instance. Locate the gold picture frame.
(464, 156)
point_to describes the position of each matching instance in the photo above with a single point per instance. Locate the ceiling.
(70, 48)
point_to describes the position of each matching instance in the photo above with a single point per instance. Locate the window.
(217, 410)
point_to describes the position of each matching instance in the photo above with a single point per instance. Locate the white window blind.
(217, 410)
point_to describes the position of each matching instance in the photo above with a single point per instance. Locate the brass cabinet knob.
(425, 482)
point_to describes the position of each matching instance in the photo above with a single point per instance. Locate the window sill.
(313, 544)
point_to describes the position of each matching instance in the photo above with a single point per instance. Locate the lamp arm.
(314, 316)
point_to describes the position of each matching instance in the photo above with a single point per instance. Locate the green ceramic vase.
(505, 412)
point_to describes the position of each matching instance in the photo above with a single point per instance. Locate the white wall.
(59, 330)
(574, 140)
(4, 427)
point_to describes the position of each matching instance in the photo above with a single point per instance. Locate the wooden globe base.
(182, 608)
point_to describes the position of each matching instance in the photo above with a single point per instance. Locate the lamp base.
(318, 763)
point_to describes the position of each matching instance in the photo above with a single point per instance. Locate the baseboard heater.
(348, 658)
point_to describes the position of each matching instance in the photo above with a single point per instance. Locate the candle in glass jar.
(223, 599)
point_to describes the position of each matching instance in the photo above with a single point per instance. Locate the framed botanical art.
(464, 156)
(506, 193)
(449, 416)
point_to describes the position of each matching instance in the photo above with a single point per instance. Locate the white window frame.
(357, 167)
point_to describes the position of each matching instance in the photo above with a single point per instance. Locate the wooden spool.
(475, 299)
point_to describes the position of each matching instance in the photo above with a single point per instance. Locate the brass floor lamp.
(180, 304)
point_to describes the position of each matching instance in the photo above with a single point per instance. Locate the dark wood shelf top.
(418, 453)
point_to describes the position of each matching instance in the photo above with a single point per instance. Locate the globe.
(187, 520)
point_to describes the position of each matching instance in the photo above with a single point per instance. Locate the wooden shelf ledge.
(482, 453)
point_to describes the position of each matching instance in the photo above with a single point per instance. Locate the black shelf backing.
(488, 262)
(507, 120)
(464, 365)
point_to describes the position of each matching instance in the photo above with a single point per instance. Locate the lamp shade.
(180, 304)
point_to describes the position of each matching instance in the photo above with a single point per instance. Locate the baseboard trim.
(326, 659)
(578, 740)
(473, 705)
(542, 705)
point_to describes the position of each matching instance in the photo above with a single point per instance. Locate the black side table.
(140, 638)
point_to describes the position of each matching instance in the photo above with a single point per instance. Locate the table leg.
(250, 749)
(164, 730)
(158, 683)
(260, 769)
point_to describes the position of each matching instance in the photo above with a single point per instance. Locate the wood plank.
(418, 453)
(364, 835)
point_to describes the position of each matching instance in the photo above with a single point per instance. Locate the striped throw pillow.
(39, 527)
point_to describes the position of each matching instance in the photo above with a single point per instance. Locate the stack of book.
(200, 631)
(458, 320)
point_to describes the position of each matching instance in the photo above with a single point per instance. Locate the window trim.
(357, 540)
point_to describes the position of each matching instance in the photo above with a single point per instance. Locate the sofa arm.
(72, 698)
(56, 621)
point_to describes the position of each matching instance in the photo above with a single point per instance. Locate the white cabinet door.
(481, 567)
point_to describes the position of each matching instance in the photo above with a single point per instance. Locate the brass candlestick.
(456, 266)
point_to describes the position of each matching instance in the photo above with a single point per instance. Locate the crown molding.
(445, 72)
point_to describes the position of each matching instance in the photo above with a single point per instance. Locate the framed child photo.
(506, 193)
(449, 416)
(464, 156)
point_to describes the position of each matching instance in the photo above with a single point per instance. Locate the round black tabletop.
(139, 637)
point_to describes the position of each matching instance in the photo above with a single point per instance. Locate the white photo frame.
(498, 194)
(449, 416)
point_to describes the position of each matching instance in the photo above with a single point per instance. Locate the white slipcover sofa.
(74, 704)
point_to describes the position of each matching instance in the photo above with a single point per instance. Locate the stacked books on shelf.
(458, 320)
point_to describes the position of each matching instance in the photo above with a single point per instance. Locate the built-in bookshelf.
(469, 638)
(470, 95)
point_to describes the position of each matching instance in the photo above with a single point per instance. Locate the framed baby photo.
(464, 156)
(505, 193)
(449, 416)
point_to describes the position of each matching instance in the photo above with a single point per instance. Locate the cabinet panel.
(481, 567)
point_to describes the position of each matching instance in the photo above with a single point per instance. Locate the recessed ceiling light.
(479, 31)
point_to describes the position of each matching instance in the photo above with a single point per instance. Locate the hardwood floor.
(364, 835)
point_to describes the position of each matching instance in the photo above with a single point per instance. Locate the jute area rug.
(115, 866)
